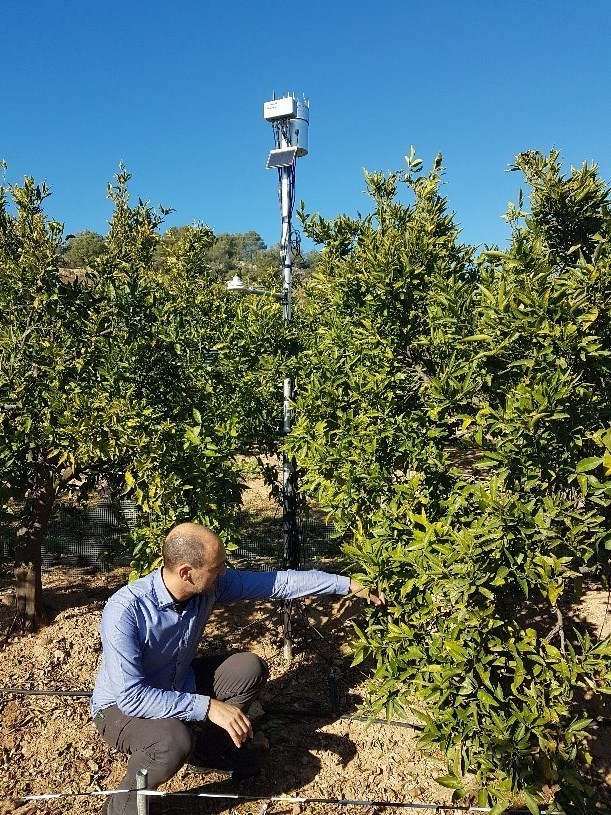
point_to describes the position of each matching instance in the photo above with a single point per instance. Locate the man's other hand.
(360, 591)
(231, 719)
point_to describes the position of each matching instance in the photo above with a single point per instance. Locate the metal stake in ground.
(142, 801)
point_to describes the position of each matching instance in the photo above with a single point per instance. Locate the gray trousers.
(162, 746)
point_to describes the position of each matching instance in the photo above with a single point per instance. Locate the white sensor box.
(285, 108)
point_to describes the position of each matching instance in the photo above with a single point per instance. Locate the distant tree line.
(243, 253)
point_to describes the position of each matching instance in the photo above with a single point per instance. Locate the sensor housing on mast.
(290, 118)
(285, 108)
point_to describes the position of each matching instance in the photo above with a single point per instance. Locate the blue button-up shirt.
(149, 641)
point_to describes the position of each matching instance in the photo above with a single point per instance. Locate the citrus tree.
(145, 377)
(53, 409)
(452, 418)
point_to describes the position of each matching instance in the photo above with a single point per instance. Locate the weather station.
(290, 119)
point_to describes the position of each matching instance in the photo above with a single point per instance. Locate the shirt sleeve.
(123, 664)
(237, 584)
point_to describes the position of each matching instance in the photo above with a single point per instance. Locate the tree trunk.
(28, 552)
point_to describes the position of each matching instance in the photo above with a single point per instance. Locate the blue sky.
(176, 90)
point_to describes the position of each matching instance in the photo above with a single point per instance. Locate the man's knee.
(172, 745)
(252, 669)
(240, 675)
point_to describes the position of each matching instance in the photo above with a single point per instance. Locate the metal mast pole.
(290, 120)
(290, 532)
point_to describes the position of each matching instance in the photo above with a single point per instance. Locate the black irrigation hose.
(340, 802)
(22, 692)
(600, 721)
(321, 714)
(272, 711)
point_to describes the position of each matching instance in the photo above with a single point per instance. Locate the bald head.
(190, 543)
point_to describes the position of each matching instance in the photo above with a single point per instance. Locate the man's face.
(214, 567)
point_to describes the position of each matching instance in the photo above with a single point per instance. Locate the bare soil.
(307, 736)
(47, 743)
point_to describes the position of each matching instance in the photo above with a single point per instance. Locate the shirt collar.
(164, 598)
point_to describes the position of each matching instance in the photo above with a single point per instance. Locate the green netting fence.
(97, 537)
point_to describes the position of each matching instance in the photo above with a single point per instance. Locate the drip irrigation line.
(297, 799)
(22, 692)
(272, 711)
(317, 714)
(50, 796)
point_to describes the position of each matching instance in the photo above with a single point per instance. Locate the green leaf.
(587, 464)
(531, 803)
(449, 781)
(579, 724)
(554, 590)
(455, 649)
(478, 338)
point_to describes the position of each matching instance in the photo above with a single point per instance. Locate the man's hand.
(231, 719)
(360, 591)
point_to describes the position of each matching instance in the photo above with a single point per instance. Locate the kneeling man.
(151, 687)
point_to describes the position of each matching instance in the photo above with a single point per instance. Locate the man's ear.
(184, 571)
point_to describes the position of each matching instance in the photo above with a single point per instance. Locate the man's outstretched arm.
(238, 584)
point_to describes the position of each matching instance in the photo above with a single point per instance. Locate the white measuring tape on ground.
(282, 799)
